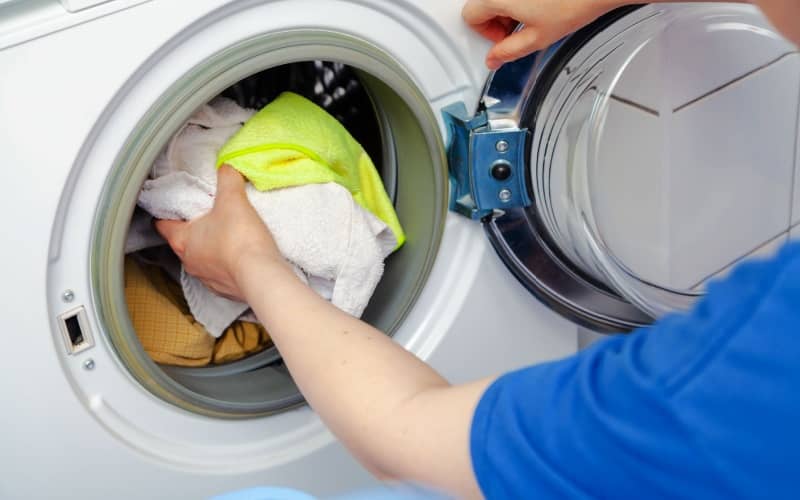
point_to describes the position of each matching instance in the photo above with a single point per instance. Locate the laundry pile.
(167, 330)
(312, 184)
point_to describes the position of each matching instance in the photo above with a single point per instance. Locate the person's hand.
(546, 21)
(216, 246)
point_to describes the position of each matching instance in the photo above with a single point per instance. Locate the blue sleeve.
(680, 409)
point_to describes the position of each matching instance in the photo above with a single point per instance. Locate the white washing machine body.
(557, 162)
(73, 87)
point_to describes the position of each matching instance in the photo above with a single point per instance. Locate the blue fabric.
(700, 405)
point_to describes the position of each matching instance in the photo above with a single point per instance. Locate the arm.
(395, 413)
(546, 21)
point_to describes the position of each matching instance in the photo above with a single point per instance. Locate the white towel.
(336, 246)
(141, 234)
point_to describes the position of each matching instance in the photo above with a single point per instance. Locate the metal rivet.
(501, 146)
(88, 364)
(68, 296)
(501, 170)
(504, 195)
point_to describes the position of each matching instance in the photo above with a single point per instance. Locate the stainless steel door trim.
(510, 100)
(516, 237)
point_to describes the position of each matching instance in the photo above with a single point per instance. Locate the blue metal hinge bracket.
(487, 167)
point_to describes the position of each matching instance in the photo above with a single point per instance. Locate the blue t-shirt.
(700, 405)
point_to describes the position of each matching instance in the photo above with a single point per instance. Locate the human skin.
(398, 416)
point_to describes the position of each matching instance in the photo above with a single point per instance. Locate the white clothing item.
(141, 234)
(336, 246)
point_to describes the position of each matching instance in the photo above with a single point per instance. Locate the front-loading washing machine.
(598, 183)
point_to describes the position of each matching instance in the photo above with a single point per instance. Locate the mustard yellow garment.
(169, 333)
(239, 340)
(294, 142)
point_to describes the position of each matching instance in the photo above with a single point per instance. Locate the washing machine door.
(621, 169)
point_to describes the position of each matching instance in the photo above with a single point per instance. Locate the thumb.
(513, 47)
(229, 182)
(174, 231)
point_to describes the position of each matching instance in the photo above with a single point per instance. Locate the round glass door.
(664, 150)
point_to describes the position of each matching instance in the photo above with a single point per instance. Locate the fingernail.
(493, 63)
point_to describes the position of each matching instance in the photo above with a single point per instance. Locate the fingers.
(496, 29)
(508, 24)
(490, 30)
(229, 181)
(174, 232)
(492, 19)
(513, 47)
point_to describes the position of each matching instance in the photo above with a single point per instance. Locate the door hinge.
(487, 167)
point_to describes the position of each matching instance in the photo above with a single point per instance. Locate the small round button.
(501, 171)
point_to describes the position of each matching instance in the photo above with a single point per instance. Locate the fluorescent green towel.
(294, 142)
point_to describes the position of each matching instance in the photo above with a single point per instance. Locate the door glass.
(666, 150)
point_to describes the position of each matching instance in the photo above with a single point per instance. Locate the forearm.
(394, 412)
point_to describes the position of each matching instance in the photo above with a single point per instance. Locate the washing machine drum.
(620, 170)
(370, 107)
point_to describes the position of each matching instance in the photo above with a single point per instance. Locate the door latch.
(487, 167)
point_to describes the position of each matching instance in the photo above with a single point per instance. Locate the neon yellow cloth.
(294, 142)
